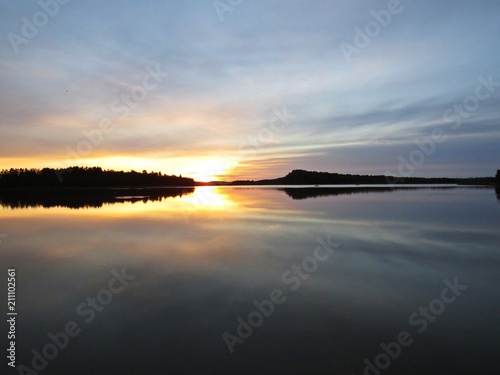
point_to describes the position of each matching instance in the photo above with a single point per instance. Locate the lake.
(256, 280)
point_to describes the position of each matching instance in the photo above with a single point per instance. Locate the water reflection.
(193, 280)
(85, 198)
(201, 198)
(315, 192)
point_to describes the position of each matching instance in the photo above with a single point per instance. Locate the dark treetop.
(77, 177)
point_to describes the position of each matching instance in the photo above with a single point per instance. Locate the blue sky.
(224, 71)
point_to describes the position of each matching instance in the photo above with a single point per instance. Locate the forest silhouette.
(86, 177)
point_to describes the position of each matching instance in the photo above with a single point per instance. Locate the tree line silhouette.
(97, 177)
(86, 177)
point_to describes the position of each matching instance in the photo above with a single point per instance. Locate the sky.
(240, 89)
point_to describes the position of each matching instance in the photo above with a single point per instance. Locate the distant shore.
(95, 177)
(302, 177)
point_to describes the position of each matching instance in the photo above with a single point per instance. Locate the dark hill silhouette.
(302, 177)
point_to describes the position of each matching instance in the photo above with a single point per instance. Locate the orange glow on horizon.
(201, 169)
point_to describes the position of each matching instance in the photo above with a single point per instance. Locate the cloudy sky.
(254, 89)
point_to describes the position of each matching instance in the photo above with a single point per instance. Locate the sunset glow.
(254, 93)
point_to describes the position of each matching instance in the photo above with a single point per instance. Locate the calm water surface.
(200, 259)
